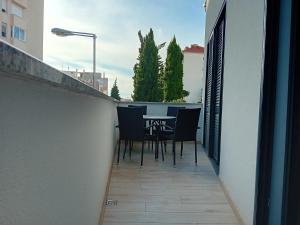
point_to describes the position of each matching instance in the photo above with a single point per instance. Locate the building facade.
(100, 81)
(193, 72)
(251, 115)
(22, 24)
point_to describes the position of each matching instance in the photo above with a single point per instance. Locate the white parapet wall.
(57, 139)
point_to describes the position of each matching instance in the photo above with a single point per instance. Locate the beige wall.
(193, 76)
(23, 3)
(35, 27)
(32, 22)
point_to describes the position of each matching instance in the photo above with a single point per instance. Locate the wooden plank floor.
(159, 193)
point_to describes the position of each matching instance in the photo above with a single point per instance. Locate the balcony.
(57, 143)
(160, 194)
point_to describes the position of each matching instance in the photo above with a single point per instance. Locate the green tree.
(115, 91)
(185, 93)
(173, 86)
(161, 79)
(146, 71)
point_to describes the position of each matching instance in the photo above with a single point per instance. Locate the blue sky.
(116, 23)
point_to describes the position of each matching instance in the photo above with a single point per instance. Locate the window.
(16, 10)
(3, 4)
(3, 29)
(18, 33)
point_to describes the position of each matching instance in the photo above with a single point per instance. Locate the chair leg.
(119, 150)
(156, 148)
(165, 144)
(142, 155)
(126, 142)
(152, 145)
(181, 149)
(151, 132)
(162, 151)
(174, 155)
(130, 149)
(196, 151)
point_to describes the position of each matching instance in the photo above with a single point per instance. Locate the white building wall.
(244, 37)
(56, 150)
(193, 76)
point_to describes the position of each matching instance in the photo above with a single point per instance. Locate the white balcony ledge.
(18, 64)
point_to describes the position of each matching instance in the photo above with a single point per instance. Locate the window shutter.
(209, 75)
(218, 89)
(214, 90)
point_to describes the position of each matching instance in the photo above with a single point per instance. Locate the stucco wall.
(56, 150)
(193, 76)
(241, 97)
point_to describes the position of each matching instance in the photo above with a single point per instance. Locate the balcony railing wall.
(57, 139)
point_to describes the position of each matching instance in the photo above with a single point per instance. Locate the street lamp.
(64, 33)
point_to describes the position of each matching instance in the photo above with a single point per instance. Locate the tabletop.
(151, 117)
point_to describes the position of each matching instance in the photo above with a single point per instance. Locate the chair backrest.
(131, 123)
(172, 111)
(144, 107)
(187, 124)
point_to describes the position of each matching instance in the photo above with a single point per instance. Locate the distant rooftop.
(194, 49)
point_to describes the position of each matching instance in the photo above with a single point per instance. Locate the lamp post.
(64, 33)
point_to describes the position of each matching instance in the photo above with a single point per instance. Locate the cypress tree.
(173, 88)
(146, 70)
(161, 78)
(115, 91)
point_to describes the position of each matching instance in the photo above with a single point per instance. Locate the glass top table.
(157, 121)
(151, 117)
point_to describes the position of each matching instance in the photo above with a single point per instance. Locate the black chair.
(131, 127)
(172, 111)
(144, 107)
(186, 126)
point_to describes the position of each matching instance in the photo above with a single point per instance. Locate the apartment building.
(193, 72)
(22, 25)
(100, 81)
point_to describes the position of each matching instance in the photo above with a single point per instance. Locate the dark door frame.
(267, 116)
(267, 107)
(213, 41)
(291, 198)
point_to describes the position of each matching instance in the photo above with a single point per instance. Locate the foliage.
(146, 79)
(185, 93)
(173, 86)
(115, 91)
(181, 100)
(161, 78)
